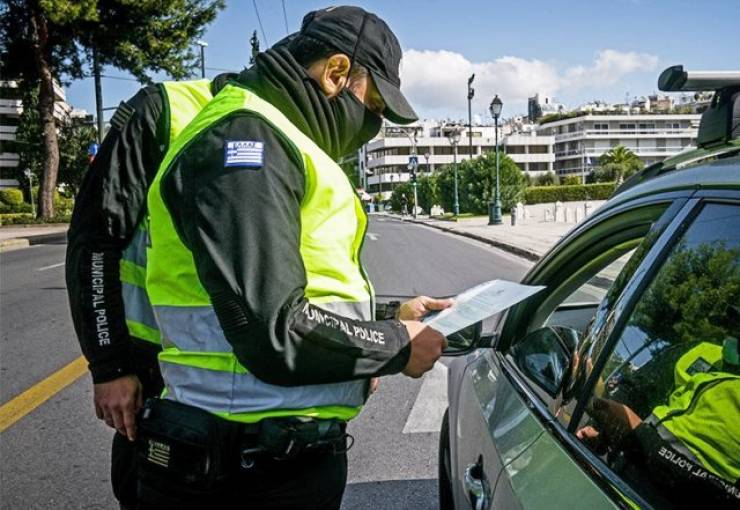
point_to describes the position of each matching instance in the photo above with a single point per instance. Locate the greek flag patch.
(244, 153)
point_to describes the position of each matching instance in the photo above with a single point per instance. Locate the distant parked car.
(641, 302)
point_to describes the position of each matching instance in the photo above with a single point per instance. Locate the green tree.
(617, 164)
(475, 183)
(73, 158)
(403, 194)
(43, 41)
(428, 193)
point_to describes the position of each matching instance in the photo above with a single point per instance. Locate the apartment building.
(384, 161)
(11, 108)
(581, 140)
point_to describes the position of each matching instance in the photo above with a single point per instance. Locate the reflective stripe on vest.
(183, 101)
(198, 365)
(702, 422)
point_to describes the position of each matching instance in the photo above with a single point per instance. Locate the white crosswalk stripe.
(430, 404)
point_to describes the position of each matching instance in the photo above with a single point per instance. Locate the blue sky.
(574, 50)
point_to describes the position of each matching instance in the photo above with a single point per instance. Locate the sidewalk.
(530, 238)
(13, 237)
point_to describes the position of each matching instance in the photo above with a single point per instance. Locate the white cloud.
(435, 81)
(609, 67)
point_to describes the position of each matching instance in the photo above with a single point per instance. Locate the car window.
(594, 290)
(665, 410)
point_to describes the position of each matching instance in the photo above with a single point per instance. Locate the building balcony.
(632, 133)
(598, 151)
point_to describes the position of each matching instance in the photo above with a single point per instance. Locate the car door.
(672, 303)
(497, 428)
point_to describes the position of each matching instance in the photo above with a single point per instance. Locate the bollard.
(559, 212)
(579, 215)
(587, 209)
(519, 211)
(568, 215)
(548, 216)
(514, 214)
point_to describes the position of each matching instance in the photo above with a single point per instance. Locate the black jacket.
(283, 348)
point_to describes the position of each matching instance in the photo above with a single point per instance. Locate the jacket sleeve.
(243, 226)
(108, 208)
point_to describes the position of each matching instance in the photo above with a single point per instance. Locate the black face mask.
(357, 123)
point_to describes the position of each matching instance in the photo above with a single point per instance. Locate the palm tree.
(619, 163)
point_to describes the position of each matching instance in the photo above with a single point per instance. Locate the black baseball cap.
(366, 40)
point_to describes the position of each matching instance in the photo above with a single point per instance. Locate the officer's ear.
(331, 73)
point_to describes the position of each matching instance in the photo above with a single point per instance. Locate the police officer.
(255, 277)
(106, 261)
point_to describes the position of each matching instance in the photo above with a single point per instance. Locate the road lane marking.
(50, 267)
(430, 404)
(20, 406)
(373, 237)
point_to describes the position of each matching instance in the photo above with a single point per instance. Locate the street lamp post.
(454, 138)
(29, 176)
(494, 214)
(202, 44)
(471, 93)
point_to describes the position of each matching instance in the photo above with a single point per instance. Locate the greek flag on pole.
(244, 153)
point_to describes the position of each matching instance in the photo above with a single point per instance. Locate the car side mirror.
(463, 341)
(546, 356)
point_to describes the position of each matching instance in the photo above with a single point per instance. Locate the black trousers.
(310, 482)
(123, 452)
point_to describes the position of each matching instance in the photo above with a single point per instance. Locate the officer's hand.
(374, 384)
(116, 403)
(427, 345)
(416, 308)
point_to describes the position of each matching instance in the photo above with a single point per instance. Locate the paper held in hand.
(478, 303)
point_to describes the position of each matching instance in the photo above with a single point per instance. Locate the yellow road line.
(20, 406)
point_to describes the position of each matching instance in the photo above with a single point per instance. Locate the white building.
(384, 161)
(11, 108)
(580, 141)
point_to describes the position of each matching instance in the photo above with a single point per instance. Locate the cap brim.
(397, 108)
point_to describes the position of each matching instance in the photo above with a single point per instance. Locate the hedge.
(547, 194)
(26, 219)
(11, 196)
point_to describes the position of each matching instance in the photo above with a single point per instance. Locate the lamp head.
(496, 106)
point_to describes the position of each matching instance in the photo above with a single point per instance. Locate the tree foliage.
(73, 159)
(475, 185)
(476, 179)
(617, 164)
(43, 41)
(688, 300)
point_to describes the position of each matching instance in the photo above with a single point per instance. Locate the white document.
(478, 303)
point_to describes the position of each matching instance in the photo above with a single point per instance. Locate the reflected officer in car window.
(690, 445)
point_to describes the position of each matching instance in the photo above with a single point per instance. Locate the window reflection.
(666, 412)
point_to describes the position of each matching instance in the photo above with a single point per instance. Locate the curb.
(16, 243)
(516, 250)
(13, 244)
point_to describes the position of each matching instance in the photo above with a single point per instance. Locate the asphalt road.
(57, 456)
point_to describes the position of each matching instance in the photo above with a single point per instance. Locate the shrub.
(571, 180)
(28, 219)
(11, 196)
(546, 194)
(548, 179)
(20, 208)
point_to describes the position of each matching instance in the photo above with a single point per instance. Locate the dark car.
(618, 386)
